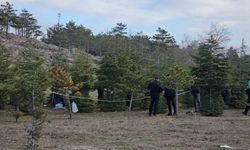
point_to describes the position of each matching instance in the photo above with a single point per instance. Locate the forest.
(126, 64)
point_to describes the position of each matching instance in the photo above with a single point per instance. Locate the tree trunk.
(131, 101)
(176, 100)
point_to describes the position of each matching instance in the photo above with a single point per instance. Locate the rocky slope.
(16, 45)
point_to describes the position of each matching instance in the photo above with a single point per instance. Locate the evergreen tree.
(237, 86)
(211, 70)
(29, 81)
(7, 15)
(55, 35)
(82, 74)
(61, 80)
(119, 29)
(177, 78)
(4, 76)
(70, 36)
(119, 75)
(164, 39)
(109, 79)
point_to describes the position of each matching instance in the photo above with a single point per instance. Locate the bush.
(186, 100)
(86, 105)
(212, 106)
(237, 99)
(162, 106)
(112, 106)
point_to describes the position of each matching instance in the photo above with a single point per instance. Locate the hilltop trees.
(7, 17)
(211, 71)
(25, 23)
(70, 36)
(163, 39)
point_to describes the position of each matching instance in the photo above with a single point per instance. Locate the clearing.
(130, 131)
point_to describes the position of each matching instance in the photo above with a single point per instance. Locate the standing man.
(248, 96)
(169, 94)
(195, 91)
(154, 91)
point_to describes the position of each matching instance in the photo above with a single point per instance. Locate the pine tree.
(119, 29)
(118, 76)
(61, 79)
(4, 76)
(83, 77)
(82, 74)
(7, 15)
(177, 78)
(237, 86)
(164, 39)
(211, 70)
(29, 81)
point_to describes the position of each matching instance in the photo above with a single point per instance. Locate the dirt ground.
(130, 131)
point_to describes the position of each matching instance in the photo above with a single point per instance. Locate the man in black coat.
(155, 90)
(169, 94)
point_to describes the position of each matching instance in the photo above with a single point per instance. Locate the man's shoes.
(244, 113)
(169, 114)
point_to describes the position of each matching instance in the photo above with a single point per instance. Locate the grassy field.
(130, 131)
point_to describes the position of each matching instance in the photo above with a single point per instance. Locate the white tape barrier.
(108, 101)
(119, 101)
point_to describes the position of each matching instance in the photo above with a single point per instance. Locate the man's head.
(157, 78)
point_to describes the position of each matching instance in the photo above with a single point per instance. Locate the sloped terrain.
(17, 44)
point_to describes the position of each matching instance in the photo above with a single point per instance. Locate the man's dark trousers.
(248, 103)
(154, 104)
(171, 103)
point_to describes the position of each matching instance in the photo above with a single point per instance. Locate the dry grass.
(131, 131)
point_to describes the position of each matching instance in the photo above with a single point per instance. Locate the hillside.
(17, 44)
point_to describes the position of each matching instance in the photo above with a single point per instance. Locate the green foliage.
(26, 25)
(239, 69)
(111, 78)
(162, 106)
(70, 36)
(61, 79)
(35, 129)
(186, 100)
(119, 29)
(4, 77)
(119, 75)
(29, 81)
(212, 105)
(163, 38)
(86, 105)
(211, 72)
(237, 99)
(82, 75)
(177, 77)
(7, 15)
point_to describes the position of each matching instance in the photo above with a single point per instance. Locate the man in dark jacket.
(154, 91)
(247, 108)
(169, 94)
(195, 91)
